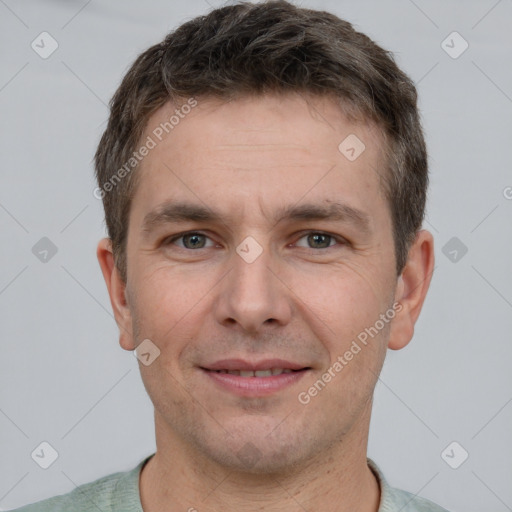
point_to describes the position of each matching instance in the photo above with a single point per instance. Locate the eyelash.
(336, 238)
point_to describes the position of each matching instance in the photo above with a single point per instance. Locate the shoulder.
(111, 493)
(394, 500)
(407, 502)
(82, 498)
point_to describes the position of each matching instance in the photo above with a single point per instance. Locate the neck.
(337, 481)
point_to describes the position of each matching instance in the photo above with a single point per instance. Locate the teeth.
(263, 373)
(257, 373)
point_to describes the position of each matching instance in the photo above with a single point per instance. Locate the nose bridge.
(252, 277)
(252, 295)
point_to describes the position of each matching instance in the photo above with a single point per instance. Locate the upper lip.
(241, 364)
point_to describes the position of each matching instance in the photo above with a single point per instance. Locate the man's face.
(254, 290)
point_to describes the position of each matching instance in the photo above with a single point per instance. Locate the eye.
(191, 240)
(196, 240)
(319, 240)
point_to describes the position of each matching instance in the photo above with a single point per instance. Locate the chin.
(257, 460)
(260, 451)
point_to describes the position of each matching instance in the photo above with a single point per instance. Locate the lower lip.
(254, 386)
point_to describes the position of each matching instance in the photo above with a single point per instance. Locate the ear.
(117, 292)
(411, 289)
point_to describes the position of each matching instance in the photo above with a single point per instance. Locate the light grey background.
(65, 379)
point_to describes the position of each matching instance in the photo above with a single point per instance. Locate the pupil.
(192, 237)
(317, 236)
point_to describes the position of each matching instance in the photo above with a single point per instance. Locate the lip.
(241, 364)
(254, 386)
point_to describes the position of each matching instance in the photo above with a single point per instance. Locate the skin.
(298, 301)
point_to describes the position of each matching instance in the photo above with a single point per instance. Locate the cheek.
(341, 302)
(168, 308)
(167, 293)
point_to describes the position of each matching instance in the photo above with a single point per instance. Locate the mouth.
(251, 379)
(257, 373)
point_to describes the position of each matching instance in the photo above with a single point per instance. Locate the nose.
(252, 297)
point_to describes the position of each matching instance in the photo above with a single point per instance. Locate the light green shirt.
(119, 492)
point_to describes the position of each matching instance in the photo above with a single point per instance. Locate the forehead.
(260, 153)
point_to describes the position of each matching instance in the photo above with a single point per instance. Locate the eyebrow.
(180, 212)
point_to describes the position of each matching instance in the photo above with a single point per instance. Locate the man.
(264, 177)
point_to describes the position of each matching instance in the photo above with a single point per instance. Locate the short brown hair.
(269, 47)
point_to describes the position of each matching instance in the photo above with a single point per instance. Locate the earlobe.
(117, 292)
(412, 288)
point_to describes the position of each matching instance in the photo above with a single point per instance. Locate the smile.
(257, 373)
(246, 379)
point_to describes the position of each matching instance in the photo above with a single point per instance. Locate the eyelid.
(173, 238)
(339, 239)
(320, 232)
